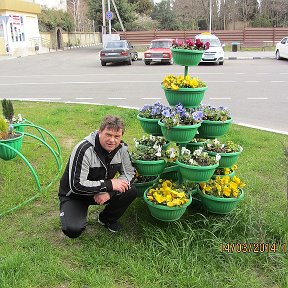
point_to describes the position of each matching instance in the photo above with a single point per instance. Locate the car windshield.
(160, 44)
(115, 44)
(213, 42)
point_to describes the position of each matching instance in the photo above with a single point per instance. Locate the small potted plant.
(229, 151)
(148, 161)
(10, 140)
(149, 115)
(8, 113)
(143, 182)
(167, 200)
(188, 52)
(179, 124)
(151, 141)
(221, 172)
(197, 166)
(185, 89)
(221, 195)
(216, 121)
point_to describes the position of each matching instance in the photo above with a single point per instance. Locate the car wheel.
(277, 55)
(221, 63)
(135, 58)
(103, 63)
(147, 62)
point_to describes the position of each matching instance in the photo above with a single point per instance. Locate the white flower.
(216, 141)
(155, 146)
(198, 151)
(153, 138)
(240, 148)
(13, 119)
(158, 154)
(192, 162)
(20, 119)
(184, 150)
(172, 154)
(218, 157)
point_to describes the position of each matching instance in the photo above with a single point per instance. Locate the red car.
(159, 51)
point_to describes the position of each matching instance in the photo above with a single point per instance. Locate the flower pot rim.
(221, 199)
(197, 167)
(164, 207)
(145, 183)
(150, 162)
(187, 50)
(185, 89)
(196, 143)
(13, 139)
(217, 122)
(223, 154)
(180, 126)
(147, 119)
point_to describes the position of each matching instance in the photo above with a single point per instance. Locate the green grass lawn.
(147, 253)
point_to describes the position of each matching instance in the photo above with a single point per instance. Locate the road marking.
(31, 98)
(260, 98)
(221, 81)
(262, 73)
(147, 98)
(215, 98)
(239, 73)
(117, 98)
(277, 81)
(252, 81)
(87, 98)
(263, 128)
(284, 73)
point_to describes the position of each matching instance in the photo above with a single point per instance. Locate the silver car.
(118, 51)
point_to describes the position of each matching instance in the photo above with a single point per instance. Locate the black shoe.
(112, 227)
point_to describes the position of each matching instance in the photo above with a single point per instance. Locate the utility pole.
(210, 16)
(109, 21)
(103, 19)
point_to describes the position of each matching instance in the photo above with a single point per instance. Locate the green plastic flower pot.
(192, 146)
(220, 205)
(227, 159)
(171, 173)
(16, 143)
(185, 57)
(180, 133)
(18, 127)
(196, 173)
(150, 168)
(164, 213)
(141, 187)
(213, 129)
(150, 126)
(223, 175)
(188, 97)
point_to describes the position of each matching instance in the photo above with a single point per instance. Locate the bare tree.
(79, 11)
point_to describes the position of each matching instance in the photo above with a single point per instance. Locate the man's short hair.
(112, 122)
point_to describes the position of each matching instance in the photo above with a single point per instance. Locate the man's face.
(110, 139)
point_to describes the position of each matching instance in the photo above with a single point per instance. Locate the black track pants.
(73, 212)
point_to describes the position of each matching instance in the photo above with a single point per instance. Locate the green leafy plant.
(147, 153)
(8, 112)
(215, 113)
(6, 130)
(214, 145)
(197, 158)
(150, 141)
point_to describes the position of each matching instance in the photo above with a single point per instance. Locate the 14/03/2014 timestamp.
(242, 247)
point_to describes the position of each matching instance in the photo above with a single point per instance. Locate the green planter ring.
(192, 146)
(170, 173)
(196, 173)
(220, 205)
(188, 97)
(5, 152)
(227, 159)
(141, 187)
(18, 127)
(185, 57)
(150, 168)
(164, 213)
(213, 129)
(180, 133)
(150, 126)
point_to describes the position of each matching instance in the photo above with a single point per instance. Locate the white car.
(215, 53)
(281, 50)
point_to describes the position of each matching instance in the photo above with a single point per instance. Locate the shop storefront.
(18, 26)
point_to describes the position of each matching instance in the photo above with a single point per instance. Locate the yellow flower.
(226, 171)
(194, 82)
(174, 87)
(227, 191)
(159, 198)
(187, 77)
(170, 204)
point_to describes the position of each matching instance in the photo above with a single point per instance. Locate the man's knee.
(73, 231)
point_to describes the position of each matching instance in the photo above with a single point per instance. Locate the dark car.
(118, 51)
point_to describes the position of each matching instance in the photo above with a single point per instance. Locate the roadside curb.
(249, 58)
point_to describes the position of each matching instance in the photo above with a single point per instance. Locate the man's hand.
(101, 198)
(120, 185)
